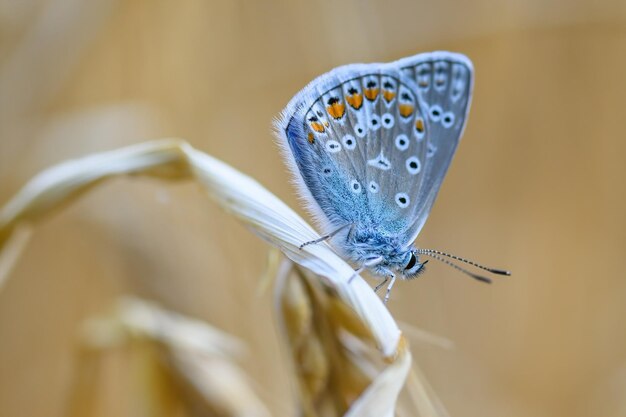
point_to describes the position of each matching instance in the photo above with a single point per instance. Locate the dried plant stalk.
(338, 365)
(268, 217)
(239, 194)
(181, 363)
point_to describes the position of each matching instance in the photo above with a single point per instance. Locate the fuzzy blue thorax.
(367, 243)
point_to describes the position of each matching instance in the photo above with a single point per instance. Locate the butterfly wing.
(356, 138)
(444, 85)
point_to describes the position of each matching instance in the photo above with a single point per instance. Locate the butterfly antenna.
(458, 268)
(467, 261)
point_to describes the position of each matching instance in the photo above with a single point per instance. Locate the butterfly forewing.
(358, 136)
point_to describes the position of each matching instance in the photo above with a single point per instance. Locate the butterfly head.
(384, 254)
(412, 266)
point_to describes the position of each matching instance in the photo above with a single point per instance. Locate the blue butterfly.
(369, 145)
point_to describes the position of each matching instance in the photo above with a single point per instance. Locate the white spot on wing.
(459, 74)
(380, 162)
(430, 150)
(447, 120)
(349, 142)
(355, 187)
(388, 121)
(441, 75)
(413, 165)
(360, 130)
(435, 112)
(423, 72)
(402, 142)
(402, 200)
(374, 122)
(333, 146)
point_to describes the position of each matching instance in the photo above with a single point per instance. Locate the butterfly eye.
(412, 262)
(373, 187)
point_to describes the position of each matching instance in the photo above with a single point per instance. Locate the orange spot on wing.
(318, 127)
(311, 138)
(371, 93)
(419, 125)
(406, 110)
(389, 95)
(355, 101)
(336, 110)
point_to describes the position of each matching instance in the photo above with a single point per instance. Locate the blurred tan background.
(537, 186)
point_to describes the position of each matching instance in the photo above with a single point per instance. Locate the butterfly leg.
(393, 281)
(379, 286)
(388, 276)
(368, 263)
(328, 236)
(349, 234)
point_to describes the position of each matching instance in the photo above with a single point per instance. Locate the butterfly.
(369, 146)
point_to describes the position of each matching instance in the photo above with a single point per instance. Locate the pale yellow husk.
(338, 366)
(239, 194)
(180, 363)
(267, 216)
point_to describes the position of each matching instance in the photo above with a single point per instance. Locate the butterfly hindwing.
(444, 85)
